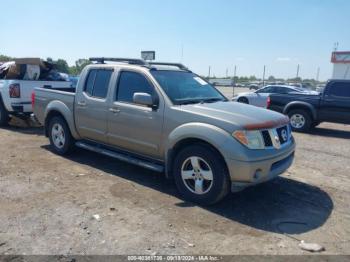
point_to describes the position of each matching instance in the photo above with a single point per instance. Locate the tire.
(4, 115)
(195, 185)
(61, 139)
(243, 100)
(300, 120)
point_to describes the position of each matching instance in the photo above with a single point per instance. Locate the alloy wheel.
(197, 175)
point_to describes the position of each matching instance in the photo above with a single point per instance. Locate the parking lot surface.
(91, 204)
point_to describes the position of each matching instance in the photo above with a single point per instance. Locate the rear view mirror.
(143, 99)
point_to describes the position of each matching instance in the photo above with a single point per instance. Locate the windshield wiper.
(212, 100)
(200, 100)
(190, 101)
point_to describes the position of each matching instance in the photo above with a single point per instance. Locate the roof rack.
(131, 61)
(180, 66)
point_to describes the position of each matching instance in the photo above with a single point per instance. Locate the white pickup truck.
(15, 96)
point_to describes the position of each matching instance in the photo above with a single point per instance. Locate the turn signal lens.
(241, 137)
(251, 139)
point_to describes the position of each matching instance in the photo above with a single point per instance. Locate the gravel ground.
(91, 204)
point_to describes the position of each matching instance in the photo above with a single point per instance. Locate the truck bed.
(44, 96)
(279, 101)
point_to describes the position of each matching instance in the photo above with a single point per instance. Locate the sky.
(221, 34)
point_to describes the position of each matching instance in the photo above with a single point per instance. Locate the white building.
(341, 65)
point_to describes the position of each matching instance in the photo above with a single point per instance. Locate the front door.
(91, 106)
(335, 106)
(134, 127)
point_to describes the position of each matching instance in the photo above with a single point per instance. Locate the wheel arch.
(58, 108)
(243, 98)
(301, 106)
(4, 118)
(1, 101)
(202, 134)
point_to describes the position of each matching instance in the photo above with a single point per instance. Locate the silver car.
(259, 97)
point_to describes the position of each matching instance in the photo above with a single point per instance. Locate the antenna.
(336, 44)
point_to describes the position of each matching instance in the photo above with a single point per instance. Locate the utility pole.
(209, 73)
(318, 74)
(226, 72)
(264, 75)
(298, 68)
(234, 81)
(336, 44)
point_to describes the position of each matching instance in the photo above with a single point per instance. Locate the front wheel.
(60, 137)
(201, 175)
(300, 120)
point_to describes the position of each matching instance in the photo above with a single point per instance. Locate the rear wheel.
(60, 137)
(243, 100)
(201, 175)
(4, 116)
(300, 120)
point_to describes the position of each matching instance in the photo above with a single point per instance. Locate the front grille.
(267, 138)
(283, 134)
(270, 136)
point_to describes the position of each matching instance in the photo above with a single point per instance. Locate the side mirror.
(144, 99)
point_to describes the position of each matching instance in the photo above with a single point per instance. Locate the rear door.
(335, 105)
(132, 127)
(91, 105)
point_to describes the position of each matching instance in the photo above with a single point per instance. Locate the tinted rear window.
(89, 85)
(97, 82)
(101, 83)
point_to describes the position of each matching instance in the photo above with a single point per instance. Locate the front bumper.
(248, 173)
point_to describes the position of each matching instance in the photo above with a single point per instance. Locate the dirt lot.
(48, 203)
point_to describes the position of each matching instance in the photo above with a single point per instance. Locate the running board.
(122, 157)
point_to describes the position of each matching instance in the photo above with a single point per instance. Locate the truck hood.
(238, 115)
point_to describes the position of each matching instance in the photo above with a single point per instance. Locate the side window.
(89, 84)
(101, 83)
(340, 89)
(97, 82)
(268, 89)
(262, 90)
(130, 83)
(282, 90)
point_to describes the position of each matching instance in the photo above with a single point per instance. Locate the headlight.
(251, 139)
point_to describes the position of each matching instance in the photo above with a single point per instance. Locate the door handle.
(81, 103)
(114, 110)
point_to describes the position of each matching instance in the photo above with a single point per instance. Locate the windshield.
(186, 88)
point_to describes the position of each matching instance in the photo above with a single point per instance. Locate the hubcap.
(297, 121)
(58, 136)
(197, 175)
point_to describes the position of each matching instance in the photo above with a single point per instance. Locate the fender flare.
(61, 108)
(300, 104)
(210, 134)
